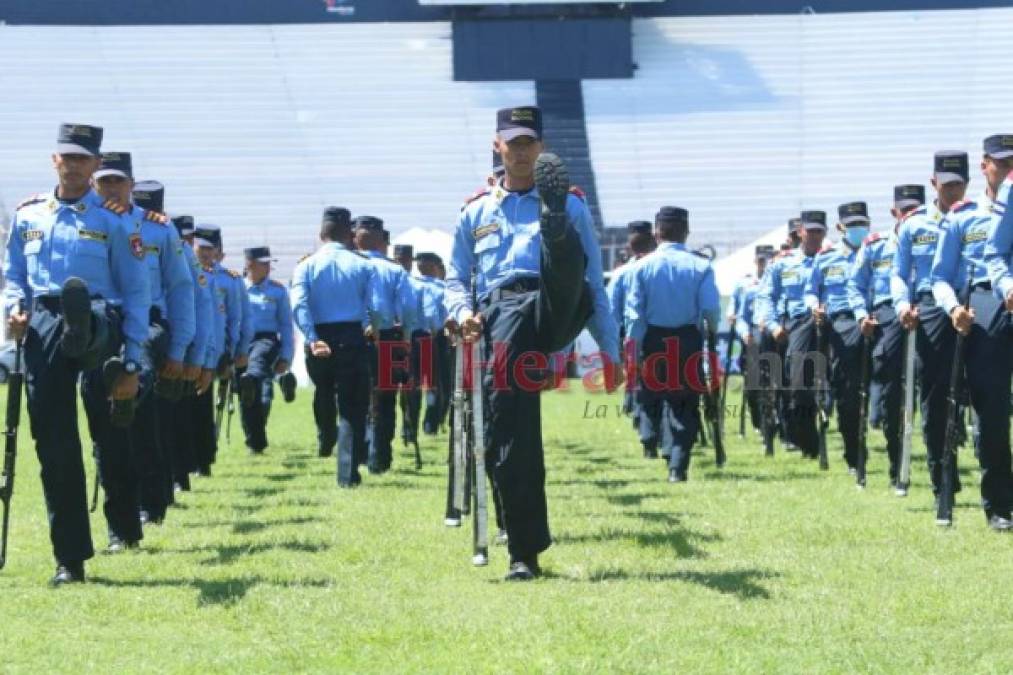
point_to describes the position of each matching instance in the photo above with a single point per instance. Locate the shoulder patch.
(34, 199)
(874, 237)
(115, 207)
(963, 205)
(156, 217)
(234, 274)
(578, 193)
(478, 194)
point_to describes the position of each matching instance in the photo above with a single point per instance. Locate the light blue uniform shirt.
(499, 233)
(999, 246)
(51, 241)
(396, 301)
(333, 285)
(671, 288)
(962, 248)
(272, 313)
(873, 269)
(170, 281)
(433, 310)
(783, 288)
(196, 351)
(832, 284)
(617, 289)
(228, 291)
(219, 304)
(744, 302)
(917, 239)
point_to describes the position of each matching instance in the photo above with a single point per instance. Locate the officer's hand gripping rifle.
(820, 385)
(712, 396)
(944, 510)
(14, 382)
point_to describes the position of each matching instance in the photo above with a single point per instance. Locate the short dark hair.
(673, 230)
(641, 242)
(336, 224)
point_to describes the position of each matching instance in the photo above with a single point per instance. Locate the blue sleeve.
(998, 248)
(301, 302)
(179, 298)
(15, 268)
(709, 299)
(233, 313)
(861, 274)
(855, 299)
(767, 296)
(615, 291)
(812, 294)
(373, 298)
(131, 278)
(407, 310)
(602, 325)
(636, 307)
(899, 290)
(285, 325)
(196, 353)
(246, 326)
(946, 266)
(462, 259)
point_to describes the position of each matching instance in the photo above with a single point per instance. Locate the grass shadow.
(219, 592)
(740, 583)
(226, 554)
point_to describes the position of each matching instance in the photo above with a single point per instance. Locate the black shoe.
(502, 539)
(69, 573)
(650, 450)
(117, 545)
(325, 452)
(75, 301)
(521, 570)
(247, 390)
(204, 471)
(675, 477)
(1000, 523)
(287, 384)
(553, 183)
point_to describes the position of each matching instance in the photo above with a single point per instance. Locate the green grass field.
(766, 566)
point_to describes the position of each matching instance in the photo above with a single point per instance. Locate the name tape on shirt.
(93, 235)
(486, 230)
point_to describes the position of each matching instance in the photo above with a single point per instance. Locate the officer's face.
(761, 266)
(257, 270)
(116, 188)
(206, 255)
(949, 193)
(519, 155)
(74, 171)
(812, 240)
(995, 170)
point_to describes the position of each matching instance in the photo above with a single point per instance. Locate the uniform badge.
(80, 207)
(202, 280)
(31, 235)
(485, 230)
(136, 246)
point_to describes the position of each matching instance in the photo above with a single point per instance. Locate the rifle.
(944, 511)
(742, 409)
(768, 418)
(820, 385)
(14, 382)
(480, 530)
(727, 369)
(223, 398)
(94, 492)
(231, 407)
(863, 412)
(712, 398)
(459, 431)
(904, 479)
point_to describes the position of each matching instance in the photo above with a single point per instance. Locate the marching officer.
(834, 299)
(76, 290)
(871, 273)
(435, 315)
(337, 357)
(960, 259)
(178, 415)
(640, 241)
(411, 392)
(741, 317)
(789, 322)
(672, 293)
(271, 349)
(917, 309)
(539, 280)
(395, 316)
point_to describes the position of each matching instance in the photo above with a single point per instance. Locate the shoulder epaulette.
(115, 207)
(305, 257)
(234, 274)
(478, 194)
(578, 193)
(156, 217)
(826, 249)
(918, 209)
(962, 206)
(34, 199)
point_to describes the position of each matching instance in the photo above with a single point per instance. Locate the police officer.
(395, 316)
(539, 280)
(76, 289)
(672, 292)
(239, 348)
(640, 241)
(218, 357)
(960, 259)
(837, 305)
(741, 317)
(411, 392)
(439, 363)
(336, 351)
(178, 415)
(789, 321)
(871, 273)
(917, 309)
(272, 346)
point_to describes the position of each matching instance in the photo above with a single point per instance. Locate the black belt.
(924, 295)
(265, 334)
(982, 286)
(517, 287)
(844, 312)
(882, 303)
(53, 302)
(154, 314)
(339, 325)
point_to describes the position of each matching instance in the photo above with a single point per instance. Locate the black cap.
(497, 164)
(794, 225)
(208, 235)
(853, 212)
(115, 164)
(258, 253)
(999, 146)
(639, 227)
(386, 236)
(337, 215)
(672, 215)
(429, 258)
(951, 166)
(150, 194)
(78, 139)
(403, 250)
(906, 196)
(814, 220)
(184, 225)
(371, 223)
(522, 121)
(764, 251)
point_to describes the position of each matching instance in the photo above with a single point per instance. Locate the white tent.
(731, 268)
(426, 241)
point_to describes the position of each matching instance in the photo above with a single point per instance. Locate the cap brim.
(907, 203)
(1002, 154)
(516, 132)
(814, 226)
(185, 232)
(102, 173)
(851, 220)
(74, 149)
(946, 177)
(262, 260)
(203, 243)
